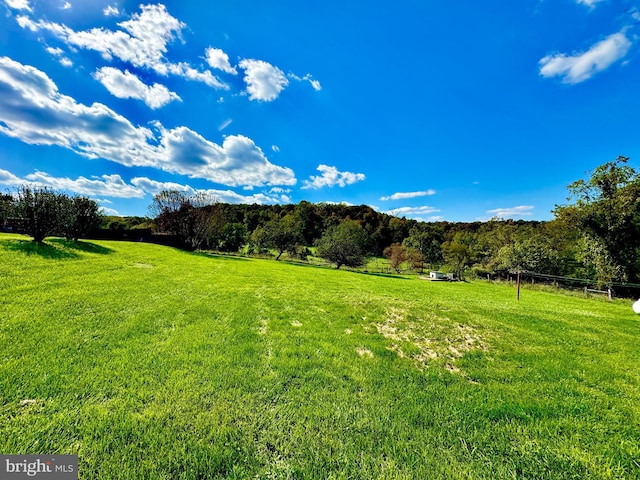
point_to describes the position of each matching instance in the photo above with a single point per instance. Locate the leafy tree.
(232, 237)
(397, 254)
(427, 239)
(284, 234)
(309, 221)
(343, 244)
(258, 241)
(415, 259)
(79, 215)
(168, 209)
(40, 210)
(6, 208)
(193, 218)
(607, 212)
(458, 252)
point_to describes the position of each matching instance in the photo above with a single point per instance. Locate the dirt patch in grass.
(432, 340)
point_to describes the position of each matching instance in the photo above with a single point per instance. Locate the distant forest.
(596, 237)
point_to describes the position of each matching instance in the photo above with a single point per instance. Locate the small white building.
(437, 276)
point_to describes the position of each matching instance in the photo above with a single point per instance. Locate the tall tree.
(343, 244)
(40, 210)
(458, 251)
(284, 234)
(195, 219)
(427, 238)
(607, 211)
(79, 215)
(397, 254)
(6, 208)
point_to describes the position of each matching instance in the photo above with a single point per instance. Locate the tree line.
(596, 237)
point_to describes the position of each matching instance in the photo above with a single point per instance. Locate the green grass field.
(152, 363)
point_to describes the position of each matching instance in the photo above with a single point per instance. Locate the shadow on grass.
(54, 249)
(82, 246)
(220, 256)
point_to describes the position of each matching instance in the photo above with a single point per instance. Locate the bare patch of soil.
(430, 340)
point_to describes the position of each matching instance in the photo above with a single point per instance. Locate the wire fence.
(587, 286)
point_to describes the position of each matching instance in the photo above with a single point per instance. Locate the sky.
(432, 110)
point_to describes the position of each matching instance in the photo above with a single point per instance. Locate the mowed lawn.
(152, 363)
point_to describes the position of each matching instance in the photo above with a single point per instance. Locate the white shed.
(437, 276)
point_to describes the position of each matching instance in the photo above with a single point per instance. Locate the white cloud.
(115, 186)
(153, 187)
(405, 195)
(8, 178)
(59, 53)
(227, 196)
(225, 124)
(56, 52)
(19, 4)
(511, 212)
(579, 67)
(237, 162)
(109, 211)
(108, 185)
(184, 70)
(216, 58)
(264, 81)
(127, 85)
(331, 177)
(35, 112)
(111, 11)
(307, 78)
(66, 6)
(142, 41)
(412, 211)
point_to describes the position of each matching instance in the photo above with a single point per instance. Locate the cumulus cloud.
(19, 4)
(111, 11)
(154, 187)
(108, 185)
(35, 112)
(264, 81)
(411, 211)
(405, 195)
(8, 178)
(216, 58)
(511, 212)
(115, 186)
(142, 41)
(331, 177)
(579, 67)
(127, 85)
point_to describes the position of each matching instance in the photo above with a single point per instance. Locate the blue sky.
(432, 110)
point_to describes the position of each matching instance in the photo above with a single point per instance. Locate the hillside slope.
(150, 362)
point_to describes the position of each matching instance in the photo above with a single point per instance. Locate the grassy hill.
(149, 362)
